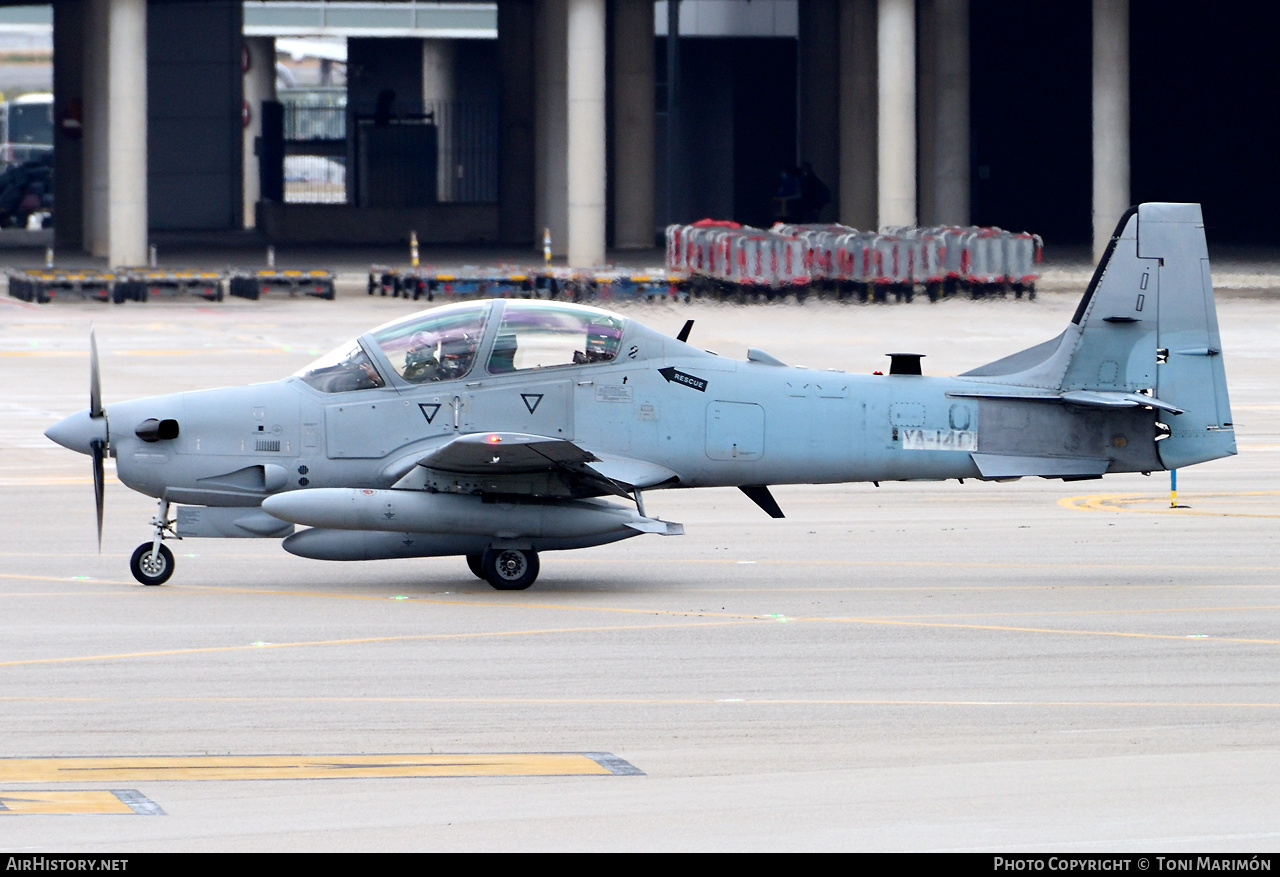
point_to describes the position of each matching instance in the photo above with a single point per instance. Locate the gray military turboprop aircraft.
(499, 429)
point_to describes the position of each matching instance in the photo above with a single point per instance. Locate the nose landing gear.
(152, 562)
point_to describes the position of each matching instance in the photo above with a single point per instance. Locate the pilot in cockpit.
(597, 350)
(439, 357)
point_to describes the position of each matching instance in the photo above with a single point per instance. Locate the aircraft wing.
(533, 465)
(507, 452)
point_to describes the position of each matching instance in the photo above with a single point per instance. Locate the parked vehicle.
(26, 128)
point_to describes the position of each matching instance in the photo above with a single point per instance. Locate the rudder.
(1190, 374)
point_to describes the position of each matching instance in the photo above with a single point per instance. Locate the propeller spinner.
(86, 432)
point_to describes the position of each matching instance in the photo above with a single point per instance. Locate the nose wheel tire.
(510, 569)
(151, 568)
(475, 563)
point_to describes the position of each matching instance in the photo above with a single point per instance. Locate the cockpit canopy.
(434, 345)
(444, 344)
(543, 335)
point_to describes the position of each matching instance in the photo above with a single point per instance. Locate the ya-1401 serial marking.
(497, 430)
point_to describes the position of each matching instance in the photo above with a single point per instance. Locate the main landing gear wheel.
(475, 563)
(510, 569)
(151, 568)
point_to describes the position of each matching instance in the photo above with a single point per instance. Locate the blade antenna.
(684, 332)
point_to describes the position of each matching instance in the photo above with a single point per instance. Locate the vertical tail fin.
(1146, 324)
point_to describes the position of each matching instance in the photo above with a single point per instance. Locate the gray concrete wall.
(516, 123)
(346, 224)
(193, 115)
(375, 63)
(819, 111)
(68, 119)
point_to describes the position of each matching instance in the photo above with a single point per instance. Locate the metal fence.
(315, 138)
(322, 135)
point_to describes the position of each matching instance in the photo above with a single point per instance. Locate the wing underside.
(530, 465)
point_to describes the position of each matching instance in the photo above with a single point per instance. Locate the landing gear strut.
(509, 569)
(152, 562)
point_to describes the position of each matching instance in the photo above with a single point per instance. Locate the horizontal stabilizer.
(1088, 398)
(1016, 466)
(1104, 399)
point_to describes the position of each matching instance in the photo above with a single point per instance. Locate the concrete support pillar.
(551, 70)
(896, 67)
(516, 165)
(438, 92)
(819, 51)
(857, 114)
(927, 100)
(259, 85)
(951, 118)
(587, 41)
(127, 132)
(673, 166)
(634, 223)
(1110, 118)
(96, 165)
(69, 36)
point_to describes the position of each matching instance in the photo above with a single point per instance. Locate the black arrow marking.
(429, 410)
(532, 400)
(679, 377)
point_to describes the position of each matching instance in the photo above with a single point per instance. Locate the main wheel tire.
(510, 569)
(475, 563)
(149, 568)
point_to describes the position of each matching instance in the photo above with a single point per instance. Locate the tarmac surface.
(1038, 666)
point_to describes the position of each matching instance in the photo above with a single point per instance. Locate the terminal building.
(601, 121)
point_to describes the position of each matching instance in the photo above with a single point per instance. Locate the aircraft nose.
(78, 432)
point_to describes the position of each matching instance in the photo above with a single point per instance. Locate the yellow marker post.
(413, 249)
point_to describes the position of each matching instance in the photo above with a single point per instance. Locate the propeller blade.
(99, 454)
(95, 389)
(99, 446)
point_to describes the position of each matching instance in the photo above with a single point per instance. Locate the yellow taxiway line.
(1159, 505)
(296, 767)
(44, 802)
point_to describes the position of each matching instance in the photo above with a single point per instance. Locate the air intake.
(152, 430)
